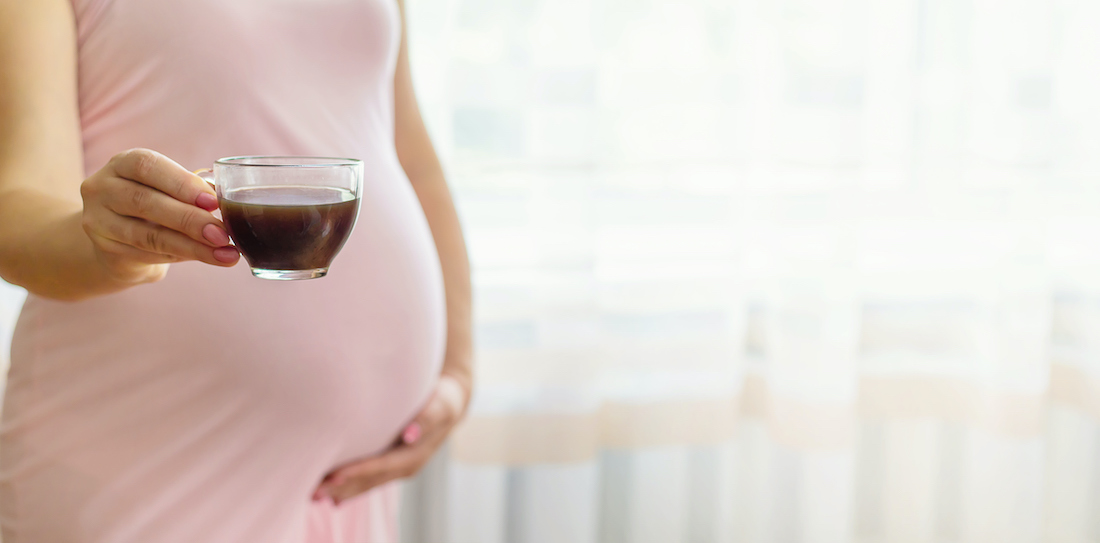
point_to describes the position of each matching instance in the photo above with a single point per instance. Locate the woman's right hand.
(143, 211)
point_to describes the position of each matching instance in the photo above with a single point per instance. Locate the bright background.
(770, 270)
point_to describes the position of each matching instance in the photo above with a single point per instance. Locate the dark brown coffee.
(289, 227)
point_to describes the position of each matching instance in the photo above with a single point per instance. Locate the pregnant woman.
(158, 392)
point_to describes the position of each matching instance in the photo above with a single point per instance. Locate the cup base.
(289, 275)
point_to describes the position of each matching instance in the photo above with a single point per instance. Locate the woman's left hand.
(414, 447)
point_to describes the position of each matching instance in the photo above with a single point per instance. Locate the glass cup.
(288, 216)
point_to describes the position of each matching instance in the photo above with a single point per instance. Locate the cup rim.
(287, 161)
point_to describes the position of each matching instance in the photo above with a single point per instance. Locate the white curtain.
(11, 299)
(771, 270)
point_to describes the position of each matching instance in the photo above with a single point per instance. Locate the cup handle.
(207, 175)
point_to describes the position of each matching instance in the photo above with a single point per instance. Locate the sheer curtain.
(753, 270)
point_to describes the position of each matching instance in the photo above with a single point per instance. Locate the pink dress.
(207, 407)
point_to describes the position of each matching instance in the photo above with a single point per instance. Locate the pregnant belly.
(350, 357)
(344, 361)
(213, 398)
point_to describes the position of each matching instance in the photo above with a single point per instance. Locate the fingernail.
(412, 434)
(215, 235)
(226, 254)
(207, 201)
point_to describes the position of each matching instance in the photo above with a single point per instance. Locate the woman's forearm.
(44, 249)
(442, 217)
(421, 165)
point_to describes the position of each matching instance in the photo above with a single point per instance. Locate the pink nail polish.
(207, 201)
(226, 254)
(412, 434)
(215, 235)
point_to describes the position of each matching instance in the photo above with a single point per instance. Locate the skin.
(69, 238)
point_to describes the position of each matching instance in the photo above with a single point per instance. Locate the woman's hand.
(413, 449)
(143, 211)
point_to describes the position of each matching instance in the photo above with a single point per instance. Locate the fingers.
(411, 434)
(160, 172)
(434, 419)
(350, 481)
(402, 461)
(144, 209)
(137, 255)
(151, 238)
(142, 202)
(414, 448)
(443, 410)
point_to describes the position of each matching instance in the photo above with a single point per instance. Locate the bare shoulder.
(39, 118)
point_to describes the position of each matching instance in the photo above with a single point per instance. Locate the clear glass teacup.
(289, 216)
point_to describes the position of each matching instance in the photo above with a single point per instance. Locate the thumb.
(415, 428)
(412, 432)
(431, 415)
(442, 410)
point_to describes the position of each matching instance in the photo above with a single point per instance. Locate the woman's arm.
(421, 165)
(40, 153)
(62, 236)
(423, 436)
